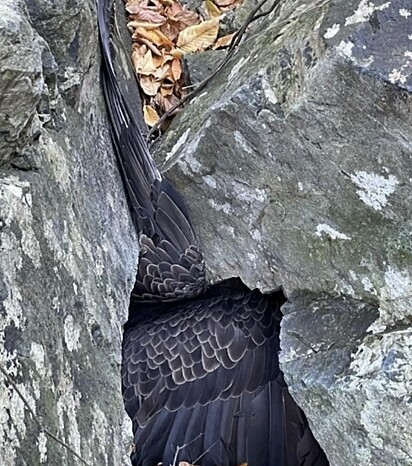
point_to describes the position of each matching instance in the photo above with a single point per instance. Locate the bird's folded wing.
(208, 349)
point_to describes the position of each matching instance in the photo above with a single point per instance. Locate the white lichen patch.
(42, 445)
(395, 298)
(225, 208)
(12, 420)
(332, 31)
(178, 145)
(374, 189)
(256, 235)
(405, 13)
(16, 199)
(235, 70)
(67, 405)
(384, 363)
(243, 143)
(345, 48)
(252, 259)
(58, 160)
(346, 289)
(210, 181)
(71, 333)
(100, 427)
(398, 76)
(187, 161)
(226, 230)
(268, 91)
(368, 285)
(250, 196)
(364, 12)
(318, 23)
(397, 284)
(37, 355)
(323, 229)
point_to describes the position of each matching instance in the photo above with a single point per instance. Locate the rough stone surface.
(68, 252)
(295, 162)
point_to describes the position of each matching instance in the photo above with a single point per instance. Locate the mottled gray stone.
(67, 246)
(295, 162)
(201, 65)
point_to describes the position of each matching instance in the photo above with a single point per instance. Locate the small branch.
(206, 451)
(179, 449)
(36, 419)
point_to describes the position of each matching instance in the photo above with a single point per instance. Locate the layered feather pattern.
(171, 264)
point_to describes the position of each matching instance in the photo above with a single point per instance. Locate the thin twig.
(234, 43)
(206, 451)
(36, 419)
(180, 448)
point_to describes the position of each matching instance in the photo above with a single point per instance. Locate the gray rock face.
(67, 247)
(295, 162)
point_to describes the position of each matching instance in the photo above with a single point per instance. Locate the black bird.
(200, 372)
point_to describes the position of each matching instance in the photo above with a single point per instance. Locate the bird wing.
(171, 265)
(199, 369)
(198, 351)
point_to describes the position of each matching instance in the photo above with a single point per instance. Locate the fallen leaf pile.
(163, 31)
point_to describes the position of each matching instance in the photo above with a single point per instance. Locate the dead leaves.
(163, 31)
(199, 37)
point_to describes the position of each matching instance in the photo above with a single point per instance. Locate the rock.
(201, 65)
(295, 162)
(68, 251)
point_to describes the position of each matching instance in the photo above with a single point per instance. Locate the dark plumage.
(200, 372)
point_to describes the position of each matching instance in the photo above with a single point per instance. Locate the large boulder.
(68, 250)
(296, 164)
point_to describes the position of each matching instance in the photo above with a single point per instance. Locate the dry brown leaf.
(176, 53)
(171, 28)
(140, 11)
(145, 64)
(150, 115)
(212, 10)
(149, 45)
(139, 52)
(165, 103)
(198, 37)
(158, 60)
(182, 15)
(166, 91)
(167, 57)
(163, 72)
(154, 36)
(149, 85)
(227, 3)
(142, 24)
(176, 68)
(224, 41)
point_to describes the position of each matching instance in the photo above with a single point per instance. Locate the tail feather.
(265, 428)
(158, 211)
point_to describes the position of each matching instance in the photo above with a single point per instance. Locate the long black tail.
(264, 428)
(171, 264)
